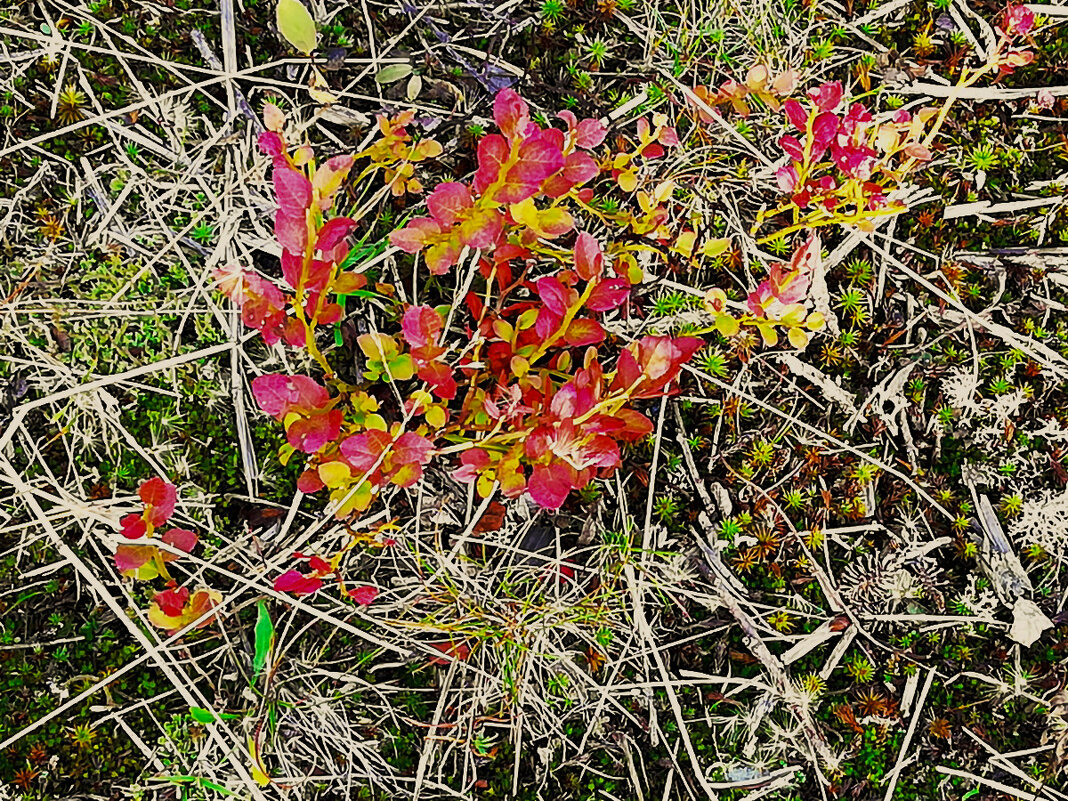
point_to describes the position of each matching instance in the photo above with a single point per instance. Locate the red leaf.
(608, 294)
(584, 331)
(492, 153)
(172, 601)
(309, 482)
(460, 651)
(439, 376)
(539, 157)
(332, 234)
(589, 259)
(293, 190)
(548, 489)
(364, 595)
(295, 582)
(309, 434)
(447, 201)
(132, 526)
(159, 497)
(320, 565)
(511, 113)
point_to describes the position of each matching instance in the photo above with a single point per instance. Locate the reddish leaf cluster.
(842, 164)
(516, 167)
(571, 434)
(313, 245)
(303, 406)
(302, 583)
(175, 607)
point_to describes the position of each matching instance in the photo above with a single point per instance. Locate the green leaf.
(202, 715)
(393, 73)
(296, 25)
(264, 639)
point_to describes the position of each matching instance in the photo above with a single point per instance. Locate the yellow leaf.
(628, 181)
(157, 617)
(319, 89)
(519, 366)
(259, 773)
(727, 325)
(715, 247)
(285, 453)
(527, 319)
(435, 417)
(334, 474)
(685, 242)
(798, 338)
(296, 25)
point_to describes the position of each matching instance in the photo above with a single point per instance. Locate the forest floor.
(832, 572)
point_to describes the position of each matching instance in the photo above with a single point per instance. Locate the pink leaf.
(589, 259)
(413, 238)
(608, 294)
(132, 526)
(471, 462)
(421, 326)
(364, 595)
(828, 96)
(786, 177)
(590, 134)
(271, 144)
(511, 113)
(291, 231)
(547, 490)
(791, 145)
(553, 294)
(182, 539)
(295, 582)
(796, 113)
(294, 191)
(447, 201)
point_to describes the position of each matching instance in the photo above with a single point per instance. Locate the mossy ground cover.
(128, 172)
